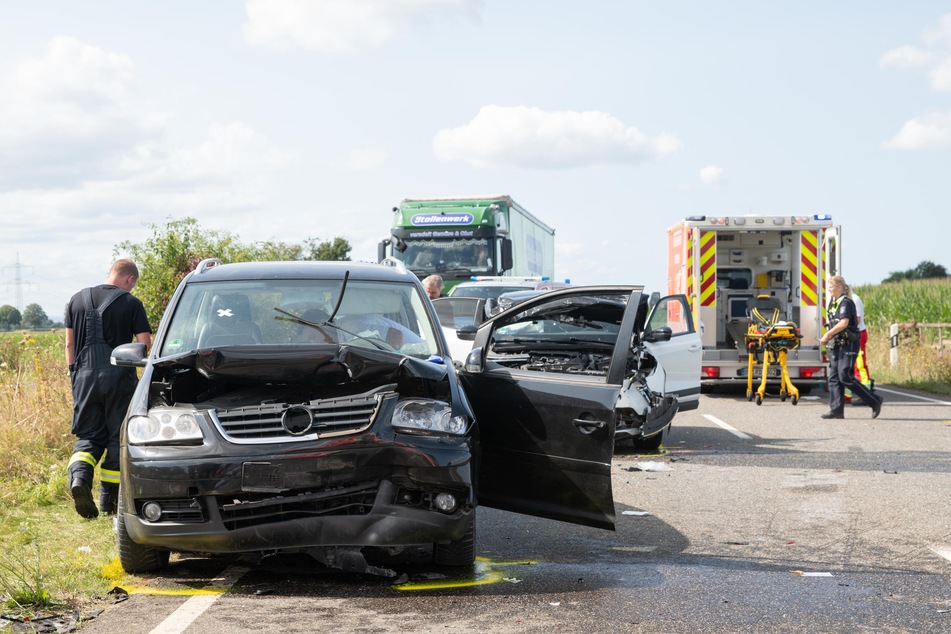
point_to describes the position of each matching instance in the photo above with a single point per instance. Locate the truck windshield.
(447, 255)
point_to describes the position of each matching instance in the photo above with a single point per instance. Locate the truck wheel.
(136, 558)
(460, 552)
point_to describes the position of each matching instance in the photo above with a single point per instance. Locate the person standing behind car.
(433, 285)
(862, 374)
(842, 340)
(98, 319)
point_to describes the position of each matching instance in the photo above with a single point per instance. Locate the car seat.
(769, 338)
(229, 323)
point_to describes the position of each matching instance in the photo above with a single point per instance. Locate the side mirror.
(507, 260)
(473, 363)
(658, 335)
(129, 355)
(467, 333)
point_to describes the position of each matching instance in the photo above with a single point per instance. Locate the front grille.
(261, 510)
(331, 417)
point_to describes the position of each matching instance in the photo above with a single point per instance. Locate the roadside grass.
(53, 559)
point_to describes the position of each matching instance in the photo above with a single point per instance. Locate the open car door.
(680, 357)
(544, 380)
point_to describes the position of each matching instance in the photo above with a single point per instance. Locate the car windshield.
(382, 315)
(586, 318)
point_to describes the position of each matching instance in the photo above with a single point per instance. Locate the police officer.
(98, 319)
(842, 341)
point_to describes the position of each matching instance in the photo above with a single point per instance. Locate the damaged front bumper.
(384, 495)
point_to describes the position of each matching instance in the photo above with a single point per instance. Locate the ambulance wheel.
(759, 398)
(795, 399)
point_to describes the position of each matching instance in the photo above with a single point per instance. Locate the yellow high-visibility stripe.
(82, 456)
(109, 476)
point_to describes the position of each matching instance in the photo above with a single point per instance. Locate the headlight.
(420, 414)
(164, 426)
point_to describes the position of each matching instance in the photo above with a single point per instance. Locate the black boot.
(108, 498)
(81, 490)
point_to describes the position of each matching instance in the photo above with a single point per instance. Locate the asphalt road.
(757, 519)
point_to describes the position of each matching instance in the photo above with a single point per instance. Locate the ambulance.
(722, 262)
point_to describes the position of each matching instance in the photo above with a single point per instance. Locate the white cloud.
(941, 34)
(930, 131)
(83, 150)
(941, 76)
(71, 114)
(906, 57)
(342, 26)
(936, 63)
(530, 138)
(711, 175)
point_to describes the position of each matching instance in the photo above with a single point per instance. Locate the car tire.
(460, 552)
(134, 557)
(649, 445)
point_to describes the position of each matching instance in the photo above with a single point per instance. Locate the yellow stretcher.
(770, 339)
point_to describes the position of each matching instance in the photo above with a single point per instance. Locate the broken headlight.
(165, 426)
(422, 414)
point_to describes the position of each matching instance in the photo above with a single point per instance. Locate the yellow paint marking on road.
(485, 573)
(174, 592)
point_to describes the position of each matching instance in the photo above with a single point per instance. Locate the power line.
(18, 282)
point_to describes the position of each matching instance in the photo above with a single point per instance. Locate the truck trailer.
(723, 262)
(460, 238)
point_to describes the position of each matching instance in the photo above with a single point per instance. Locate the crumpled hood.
(295, 363)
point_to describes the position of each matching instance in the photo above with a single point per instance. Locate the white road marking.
(179, 620)
(733, 430)
(922, 398)
(943, 552)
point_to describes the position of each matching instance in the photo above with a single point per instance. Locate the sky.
(610, 120)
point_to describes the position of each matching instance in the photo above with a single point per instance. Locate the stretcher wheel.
(759, 398)
(795, 399)
(749, 395)
(782, 396)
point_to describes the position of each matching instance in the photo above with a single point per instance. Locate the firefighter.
(842, 341)
(98, 319)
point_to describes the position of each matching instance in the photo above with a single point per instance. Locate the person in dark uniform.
(98, 319)
(842, 342)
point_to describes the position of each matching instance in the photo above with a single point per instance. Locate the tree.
(924, 270)
(9, 317)
(176, 249)
(928, 269)
(35, 317)
(338, 249)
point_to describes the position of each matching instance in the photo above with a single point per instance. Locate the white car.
(641, 358)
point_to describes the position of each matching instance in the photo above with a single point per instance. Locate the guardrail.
(895, 330)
